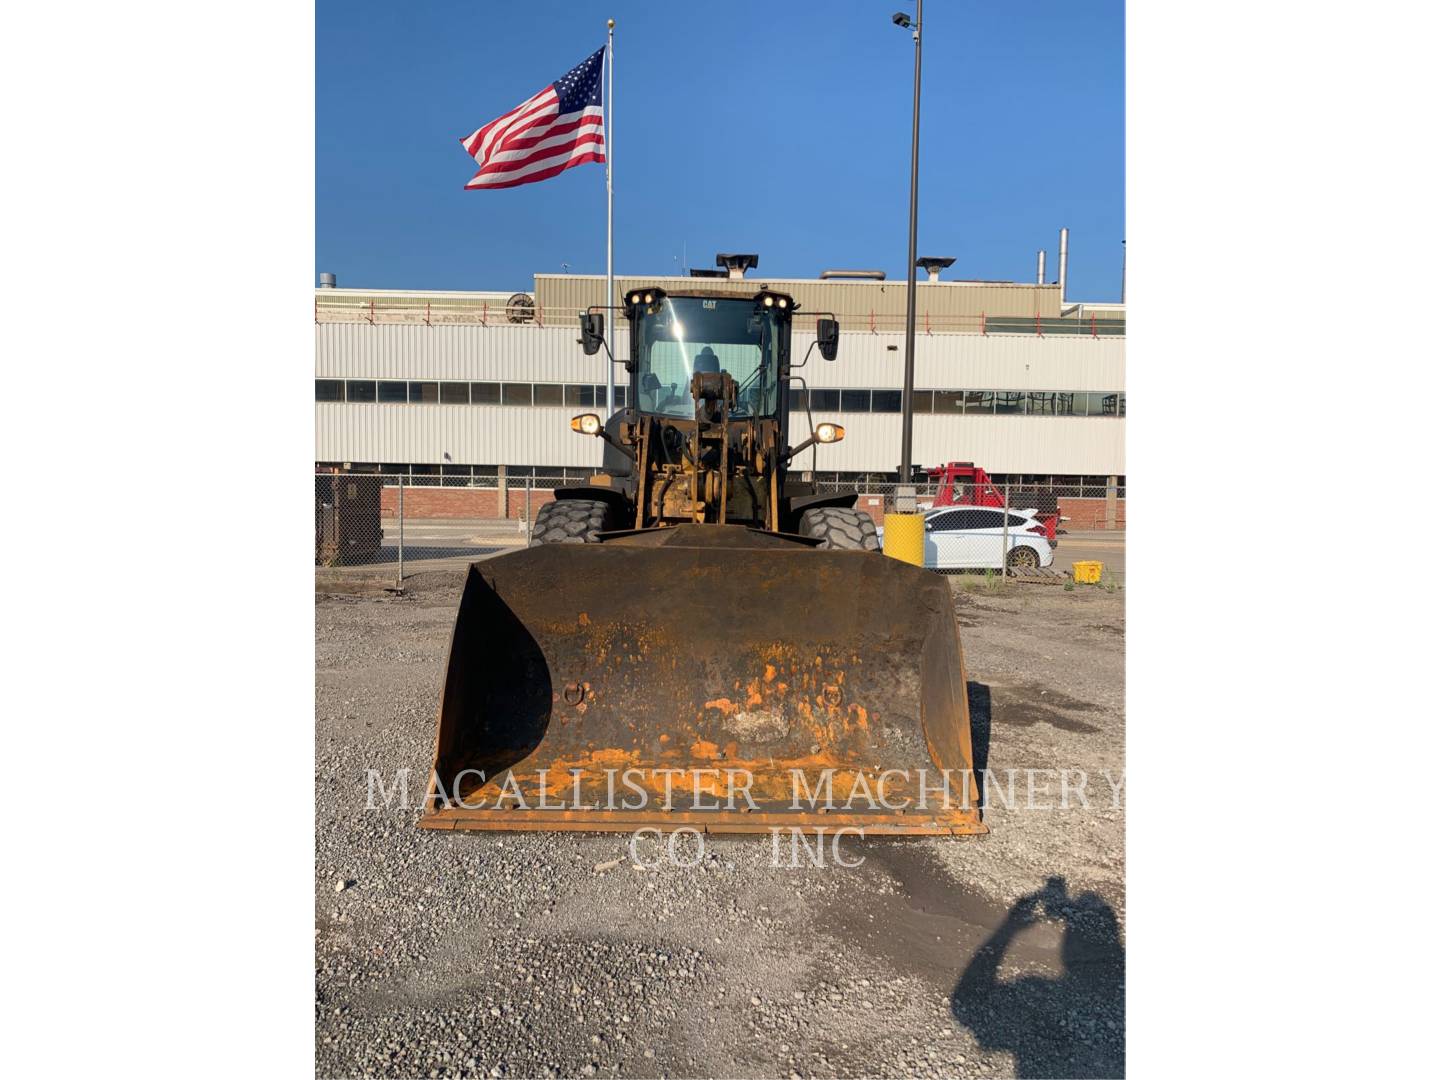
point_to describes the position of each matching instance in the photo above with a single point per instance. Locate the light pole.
(904, 528)
(907, 415)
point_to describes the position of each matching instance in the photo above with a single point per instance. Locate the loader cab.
(674, 336)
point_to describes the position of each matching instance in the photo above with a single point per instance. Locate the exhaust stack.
(1064, 260)
(737, 264)
(933, 265)
(1040, 267)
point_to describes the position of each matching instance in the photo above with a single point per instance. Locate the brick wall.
(440, 502)
(1089, 513)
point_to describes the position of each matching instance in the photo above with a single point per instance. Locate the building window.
(516, 393)
(484, 393)
(824, 400)
(979, 401)
(393, 393)
(549, 394)
(454, 393)
(360, 390)
(1009, 402)
(922, 401)
(621, 398)
(854, 400)
(425, 475)
(1040, 404)
(582, 397)
(797, 399)
(425, 393)
(949, 401)
(329, 390)
(889, 401)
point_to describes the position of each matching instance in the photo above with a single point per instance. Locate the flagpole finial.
(610, 23)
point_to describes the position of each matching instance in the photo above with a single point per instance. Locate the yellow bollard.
(905, 538)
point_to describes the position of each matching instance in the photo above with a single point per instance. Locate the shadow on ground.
(1070, 1024)
(387, 556)
(978, 695)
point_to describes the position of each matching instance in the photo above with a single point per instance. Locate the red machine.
(963, 483)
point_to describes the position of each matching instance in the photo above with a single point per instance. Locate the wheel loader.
(695, 638)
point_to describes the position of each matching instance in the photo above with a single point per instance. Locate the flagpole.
(610, 211)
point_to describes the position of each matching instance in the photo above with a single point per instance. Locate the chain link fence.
(394, 524)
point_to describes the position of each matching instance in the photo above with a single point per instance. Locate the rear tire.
(1023, 557)
(572, 521)
(840, 528)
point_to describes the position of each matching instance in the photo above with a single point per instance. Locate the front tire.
(572, 521)
(840, 528)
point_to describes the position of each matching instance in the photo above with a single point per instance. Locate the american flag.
(561, 126)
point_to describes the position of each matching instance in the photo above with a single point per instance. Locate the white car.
(972, 538)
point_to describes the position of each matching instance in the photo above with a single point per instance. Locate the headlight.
(828, 433)
(769, 301)
(784, 303)
(586, 423)
(649, 298)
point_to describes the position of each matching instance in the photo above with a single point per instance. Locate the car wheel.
(1023, 557)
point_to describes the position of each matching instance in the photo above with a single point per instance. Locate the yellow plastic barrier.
(1086, 573)
(905, 538)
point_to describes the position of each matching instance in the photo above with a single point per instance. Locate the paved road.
(1101, 545)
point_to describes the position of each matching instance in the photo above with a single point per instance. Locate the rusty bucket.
(708, 677)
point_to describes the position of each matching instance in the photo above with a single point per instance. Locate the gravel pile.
(550, 954)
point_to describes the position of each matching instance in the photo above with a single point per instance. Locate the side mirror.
(592, 331)
(827, 336)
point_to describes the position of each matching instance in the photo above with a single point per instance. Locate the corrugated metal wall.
(489, 435)
(562, 295)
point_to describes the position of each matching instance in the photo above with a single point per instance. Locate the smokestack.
(327, 281)
(1064, 260)
(1040, 267)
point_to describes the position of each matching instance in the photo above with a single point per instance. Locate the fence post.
(400, 511)
(1005, 533)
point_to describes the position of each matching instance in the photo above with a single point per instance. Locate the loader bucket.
(707, 677)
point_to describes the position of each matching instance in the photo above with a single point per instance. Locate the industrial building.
(457, 388)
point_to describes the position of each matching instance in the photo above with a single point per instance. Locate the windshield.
(692, 333)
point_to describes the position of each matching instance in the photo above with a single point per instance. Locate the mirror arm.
(790, 454)
(612, 441)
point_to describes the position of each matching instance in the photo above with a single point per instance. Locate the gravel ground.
(487, 954)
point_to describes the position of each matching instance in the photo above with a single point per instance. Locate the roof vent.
(520, 308)
(327, 281)
(932, 265)
(706, 272)
(737, 264)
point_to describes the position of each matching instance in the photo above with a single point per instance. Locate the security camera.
(901, 19)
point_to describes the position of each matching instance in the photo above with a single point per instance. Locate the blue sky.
(777, 128)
